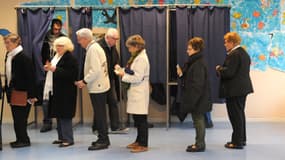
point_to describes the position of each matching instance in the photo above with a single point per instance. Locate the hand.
(49, 67)
(80, 84)
(218, 67)
(179, 71)
(32, 100)
(117, 67)
(119, 72)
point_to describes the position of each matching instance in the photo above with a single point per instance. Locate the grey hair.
(85, 33)
(112, 32)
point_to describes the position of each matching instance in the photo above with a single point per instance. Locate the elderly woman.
(60, 90)
(195, 90)
(19, 77)
(136, 79)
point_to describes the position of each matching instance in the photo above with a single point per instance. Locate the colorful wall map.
(261, 23)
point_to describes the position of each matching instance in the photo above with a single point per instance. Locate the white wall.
(268, 100)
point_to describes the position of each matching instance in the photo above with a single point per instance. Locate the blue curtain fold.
(210, 23)
(150, 23)
(32, 28)
(79, 18)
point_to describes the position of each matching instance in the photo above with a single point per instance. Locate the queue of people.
(101, 74)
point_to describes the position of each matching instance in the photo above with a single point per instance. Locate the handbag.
(19, 98)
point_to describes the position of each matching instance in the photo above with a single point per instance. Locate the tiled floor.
(266, 141)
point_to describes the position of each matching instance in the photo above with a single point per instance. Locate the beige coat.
(138, 93)
(95, 69)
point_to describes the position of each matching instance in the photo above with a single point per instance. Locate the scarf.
(126, 85)
(132, 58)
(50, 38)
(10, 56)
(49, 78)
(191, 59)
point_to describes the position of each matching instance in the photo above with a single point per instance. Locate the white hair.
(65, 41)
(85, 33)
(112, 32)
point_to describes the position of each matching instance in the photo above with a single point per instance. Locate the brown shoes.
(138, 149)
(132, 145)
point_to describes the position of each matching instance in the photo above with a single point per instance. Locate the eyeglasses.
(114, 38)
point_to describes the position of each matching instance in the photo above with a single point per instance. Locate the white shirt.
(10, 56)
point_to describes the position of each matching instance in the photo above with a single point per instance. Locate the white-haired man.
(97, 81)
(108, 44)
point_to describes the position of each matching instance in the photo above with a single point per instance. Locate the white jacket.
(95, 69)
(138, 93)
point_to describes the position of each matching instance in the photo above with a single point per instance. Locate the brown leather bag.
(19, 98)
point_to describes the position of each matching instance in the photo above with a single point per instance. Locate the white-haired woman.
(60, 90)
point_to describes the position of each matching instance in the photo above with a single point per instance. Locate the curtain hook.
(83, 10)
(23, 10)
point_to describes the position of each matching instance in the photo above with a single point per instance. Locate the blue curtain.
(32, 28)
(79, 18)
(210, 23)
(150, 23)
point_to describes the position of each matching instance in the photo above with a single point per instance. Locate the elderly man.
(108, 44)
(97, 81)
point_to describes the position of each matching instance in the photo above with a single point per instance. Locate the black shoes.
(62, 143)
(97, 145)
(231, 145)
(243, 143)
(194, 148)
(66, 144)
(57, 142)
(18, 144)
(46, 128)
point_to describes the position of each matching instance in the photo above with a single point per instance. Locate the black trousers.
(20, 116)
(142, 129)
(46, 119)
(98, 101)
(235, 108)
(112, 108)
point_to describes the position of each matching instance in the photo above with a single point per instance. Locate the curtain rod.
(123, 6)
(42, 6)
(174, 5)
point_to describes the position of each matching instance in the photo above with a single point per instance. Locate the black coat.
(23, 76)
(195, 85)
(234, 74)
(63, 101)
(113, 58)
